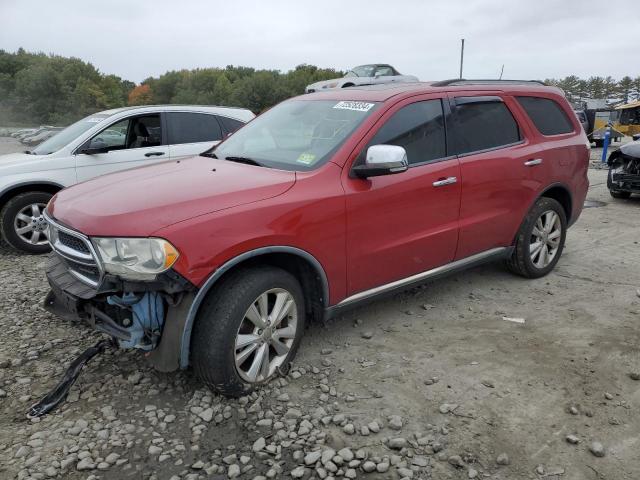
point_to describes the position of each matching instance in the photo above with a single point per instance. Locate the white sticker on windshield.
(357, 106)
(94, 120)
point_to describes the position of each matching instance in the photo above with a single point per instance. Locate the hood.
(632, 149)
(16, 163)
(143, 200)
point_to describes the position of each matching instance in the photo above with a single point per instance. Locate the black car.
(624, 171)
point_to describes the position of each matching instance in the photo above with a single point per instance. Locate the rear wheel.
(248, 330)
(22, 223)
(540, 240)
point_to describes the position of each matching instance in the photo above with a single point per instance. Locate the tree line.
(576, 89)
(51, 89)
(40, 88)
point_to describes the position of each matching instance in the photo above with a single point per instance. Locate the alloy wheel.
(545, 239)
(30, 225)
(266, 335)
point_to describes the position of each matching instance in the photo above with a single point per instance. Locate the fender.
(541, 194)
(33, 183)
(185, 343)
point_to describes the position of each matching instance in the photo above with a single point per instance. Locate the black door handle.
(153, 154)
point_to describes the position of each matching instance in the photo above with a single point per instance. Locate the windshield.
(362, 71)
(64, 137)
(296, 135)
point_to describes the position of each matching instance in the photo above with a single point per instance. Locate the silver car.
(363, 75)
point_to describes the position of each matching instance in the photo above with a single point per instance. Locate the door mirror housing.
(94, 150)
(383, 160)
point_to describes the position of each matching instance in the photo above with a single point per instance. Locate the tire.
(223, 316)
(522, 260)
(13, 218)
(620, 195)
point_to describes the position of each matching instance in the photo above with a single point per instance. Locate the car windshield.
(362, 71)
(295, 135)
(64, 137)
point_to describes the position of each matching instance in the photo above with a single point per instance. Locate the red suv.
(322, 202)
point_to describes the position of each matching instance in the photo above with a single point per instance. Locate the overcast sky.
(135, 39)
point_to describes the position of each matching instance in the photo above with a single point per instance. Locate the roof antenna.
(461, 56)
(501, 72)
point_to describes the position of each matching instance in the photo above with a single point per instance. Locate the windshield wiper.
(247, 160)
(208, 154)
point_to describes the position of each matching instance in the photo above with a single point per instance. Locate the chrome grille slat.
(76, 251)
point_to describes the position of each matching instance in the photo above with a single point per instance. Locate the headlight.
(135, 258)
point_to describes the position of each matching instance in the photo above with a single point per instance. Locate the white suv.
(101, 143)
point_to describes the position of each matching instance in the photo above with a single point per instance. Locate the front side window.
(297, 134)
(384, 72)
(185, 127)
(135, 132)
(484, 125)
(548, 117)
(419, 128)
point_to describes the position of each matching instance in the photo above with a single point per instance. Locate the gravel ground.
(431, 383)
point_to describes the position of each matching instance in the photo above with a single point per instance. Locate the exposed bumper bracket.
(59, 394)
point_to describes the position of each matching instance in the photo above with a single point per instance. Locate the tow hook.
(59, 394)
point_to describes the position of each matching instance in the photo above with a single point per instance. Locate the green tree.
(625, 87)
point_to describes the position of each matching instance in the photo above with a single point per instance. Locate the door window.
(384, 72)
(484, 125)
(419, 128)
(114, 137)
(547, 115)
(185, 127)
(135, 132)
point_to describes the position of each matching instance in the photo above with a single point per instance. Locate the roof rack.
(464, 81)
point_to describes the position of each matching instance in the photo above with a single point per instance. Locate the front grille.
(72, 242)
(76, 252)
(90, 272)
(628, 178)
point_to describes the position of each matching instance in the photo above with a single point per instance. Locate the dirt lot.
(431, 383)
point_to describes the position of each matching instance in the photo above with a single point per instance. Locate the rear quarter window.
(229, 124)
(548, 117)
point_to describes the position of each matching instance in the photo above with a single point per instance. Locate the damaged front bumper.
(146, 315)
(624, 169)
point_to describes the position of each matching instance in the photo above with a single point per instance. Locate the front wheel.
(22, 223)
(248, 330)
(540, 240)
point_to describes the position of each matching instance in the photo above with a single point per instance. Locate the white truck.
(98, 144)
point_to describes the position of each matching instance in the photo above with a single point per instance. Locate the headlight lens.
(136, 258)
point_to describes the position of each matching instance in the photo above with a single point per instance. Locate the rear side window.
(229, 124)
(548, 117)
(419, 128)
(484, 125)
(187, 127)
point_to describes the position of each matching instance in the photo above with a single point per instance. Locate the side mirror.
(383, 160)
(94, 151)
